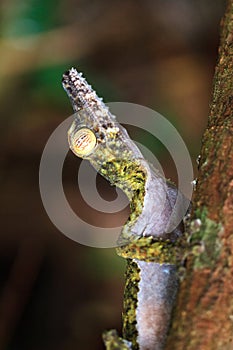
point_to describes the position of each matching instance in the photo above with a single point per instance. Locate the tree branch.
(204, 312)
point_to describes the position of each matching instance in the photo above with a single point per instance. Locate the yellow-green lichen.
(205, 240)
(130, 303)
(158, 251)
(113, 342)
(129, 176)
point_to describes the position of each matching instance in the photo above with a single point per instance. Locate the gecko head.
(97, 137)
(94, 128)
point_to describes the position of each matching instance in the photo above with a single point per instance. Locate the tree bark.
(203, 318)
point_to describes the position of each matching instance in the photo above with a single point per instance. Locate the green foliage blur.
(55, 293)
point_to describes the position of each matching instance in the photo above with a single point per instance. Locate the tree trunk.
(203, 318)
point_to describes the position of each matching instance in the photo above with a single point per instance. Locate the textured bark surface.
(203, 318)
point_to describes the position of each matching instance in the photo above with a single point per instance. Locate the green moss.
(158, 251)
(205, 240)
(130, 177)
(130, 303)
(113, 342)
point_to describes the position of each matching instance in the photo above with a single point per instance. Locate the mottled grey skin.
(151, 288)
(157, 291)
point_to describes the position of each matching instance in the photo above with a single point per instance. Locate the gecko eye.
(83, 142)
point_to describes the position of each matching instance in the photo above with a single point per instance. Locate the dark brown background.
(55, 293)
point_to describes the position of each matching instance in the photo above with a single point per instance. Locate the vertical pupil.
(83, 141)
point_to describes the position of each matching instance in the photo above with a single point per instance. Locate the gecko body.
(146, 240)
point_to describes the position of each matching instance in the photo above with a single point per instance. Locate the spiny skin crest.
(80, 91)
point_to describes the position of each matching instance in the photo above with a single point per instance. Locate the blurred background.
(56, 293)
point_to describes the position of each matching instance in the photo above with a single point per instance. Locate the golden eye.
(83, 142)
